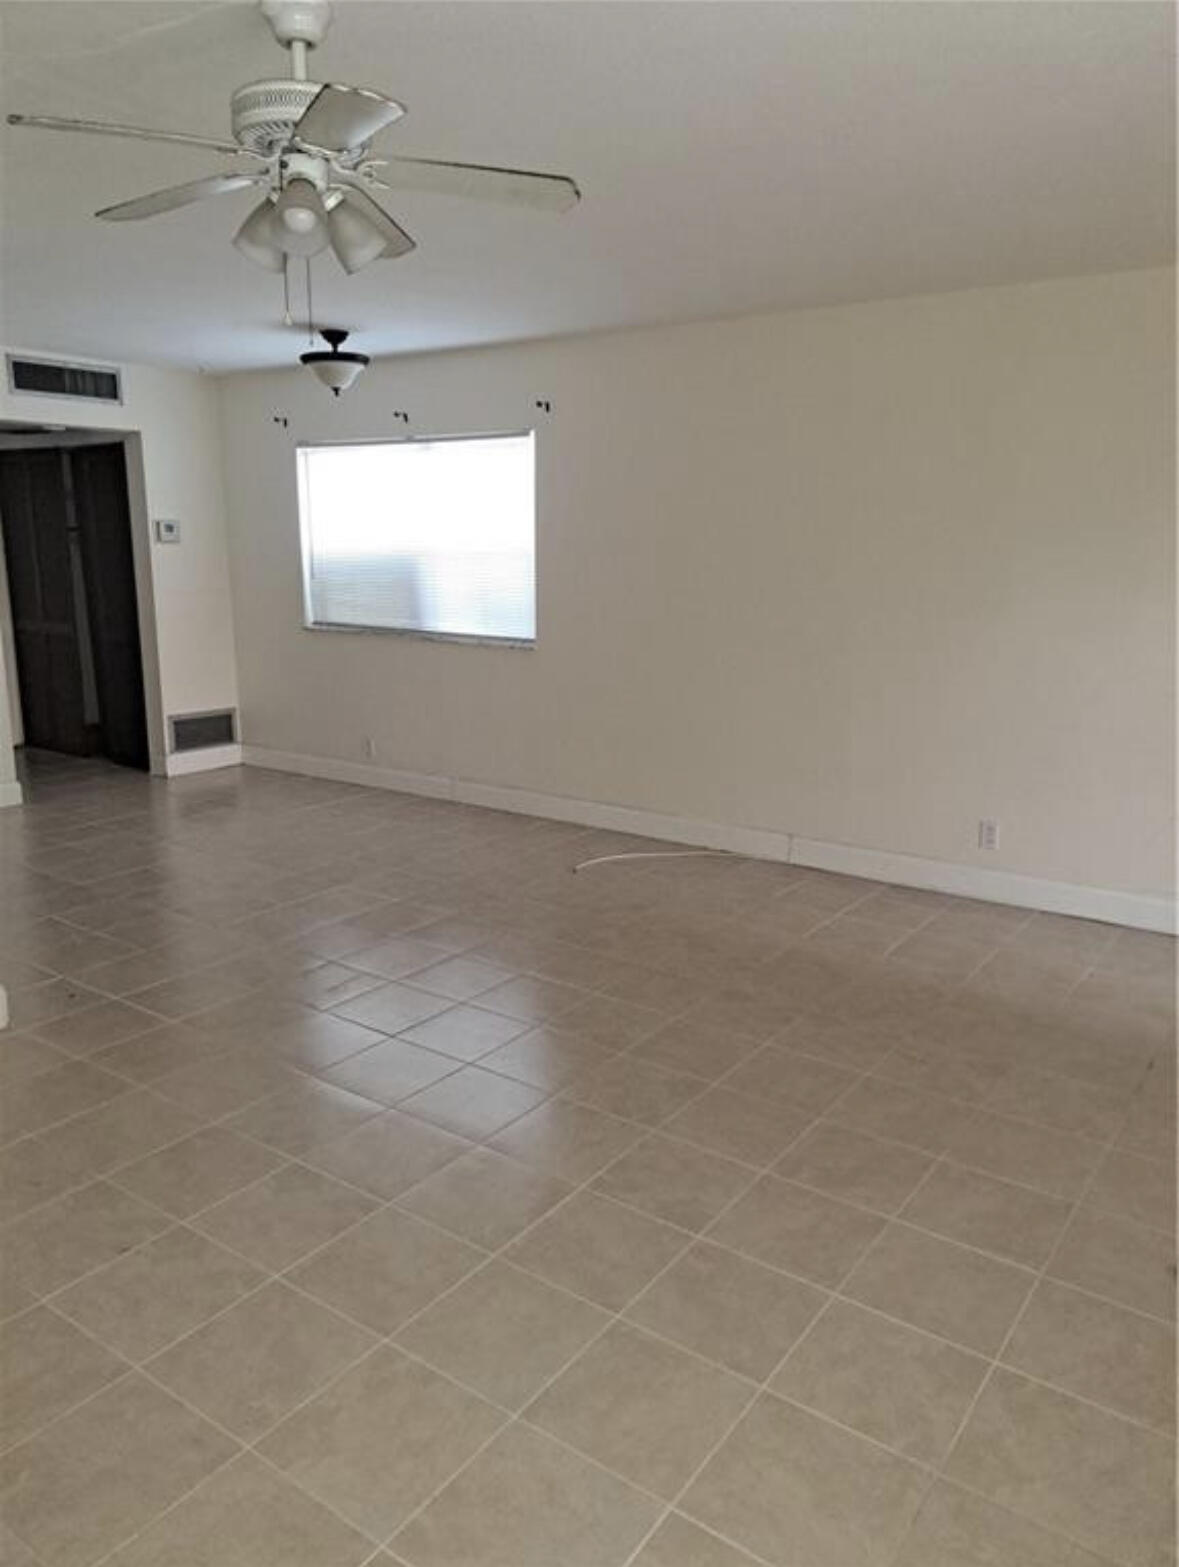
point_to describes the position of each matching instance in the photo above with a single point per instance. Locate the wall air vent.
(53, 378)
(198, 731)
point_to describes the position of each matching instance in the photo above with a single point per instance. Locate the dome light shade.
(335, 370)
(300, 219)
(255, 238)
(355, 239)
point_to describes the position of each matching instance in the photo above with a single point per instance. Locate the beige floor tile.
(473, 1103)
(728, 1309)
(739, 1126)
(94, 1028)
(956, 1529)
(1124, 1261)
(547, 1057)
(854, 1167)
(467, 1033)
(46, 1367)
(386, 1269)
(247, 1516)
(381, 1440)
(793, 1078)
(33, 1103)
(198, 1171)
(460, 978)
(152, 1056)
(897, 1385)
(13, 1552)
(679, 1543)
(527, 1502)
(799, 1492)
(934, 1070)
(225, 1081)
(290, 1213)
(612, 1023)
(331, 984)
(298, 1117)
(103, 1472)
(569, 1140)
(57, 1243)
(597, 1249)
(391, 1071)
(33, 1171)
(646, 1410)
(978, 1210)
(250, 1366)
(503, 1333)
(22, 1055)
(801, 1231)
(946, 1289)
(388, 1154)
(33, 1006)
(1035, 1156)
(316, 1041)
(392, 1008)
(1134, 1188)
(855, 1046)
(675, 1181)
(485, 1197)
(531, 999)
(1063, 1102)
(1071, 1467)
(901, 1115)
(141, 1303)
(1099, 1351)
(125, 1129)
(391, 959)
(634, 1090)
(700, 1049)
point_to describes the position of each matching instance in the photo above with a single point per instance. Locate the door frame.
(141, 550)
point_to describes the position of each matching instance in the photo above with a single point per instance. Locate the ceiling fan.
(307, 145)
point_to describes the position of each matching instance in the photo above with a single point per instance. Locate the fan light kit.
(307, 146)
(336, 370)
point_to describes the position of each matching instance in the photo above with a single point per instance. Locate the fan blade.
(179, 196)
(339, 119)
(397, 241)
(519, 187)
(47, 122)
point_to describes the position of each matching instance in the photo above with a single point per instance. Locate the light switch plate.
(167, 530)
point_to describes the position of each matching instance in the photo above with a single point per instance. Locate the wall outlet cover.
(167, 530)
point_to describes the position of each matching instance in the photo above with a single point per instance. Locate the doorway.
(66, 522)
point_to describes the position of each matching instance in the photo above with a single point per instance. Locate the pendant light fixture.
(335, 370)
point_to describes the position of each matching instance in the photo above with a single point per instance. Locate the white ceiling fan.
(308, 146)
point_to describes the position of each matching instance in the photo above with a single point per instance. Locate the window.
(429, 536)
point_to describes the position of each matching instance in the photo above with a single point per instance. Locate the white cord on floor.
(650, 854)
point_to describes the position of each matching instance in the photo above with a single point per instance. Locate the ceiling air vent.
(197, 731)
(52, 378)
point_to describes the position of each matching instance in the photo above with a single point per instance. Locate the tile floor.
(376, 1191)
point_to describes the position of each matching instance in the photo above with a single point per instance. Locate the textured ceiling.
(733, 157)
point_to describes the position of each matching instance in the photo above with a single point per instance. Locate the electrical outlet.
(370, 748)
(988, 833)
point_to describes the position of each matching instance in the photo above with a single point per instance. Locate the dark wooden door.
(99, 482)
(35, 523)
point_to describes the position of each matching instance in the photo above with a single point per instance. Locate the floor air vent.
(52, 378)
(198, 731)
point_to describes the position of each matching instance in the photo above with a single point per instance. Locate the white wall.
(169, 420)
(863, 575)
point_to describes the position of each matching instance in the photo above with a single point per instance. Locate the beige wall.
(862, 574)
(170, 424)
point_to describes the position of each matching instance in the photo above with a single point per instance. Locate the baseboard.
(178, 764)
(11, 794)
(1141, 911)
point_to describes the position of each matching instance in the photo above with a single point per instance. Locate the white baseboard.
(11, 794)
(1141, 911)
(178, 764)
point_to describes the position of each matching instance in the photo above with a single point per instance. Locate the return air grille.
(197, 731)
(52, 378)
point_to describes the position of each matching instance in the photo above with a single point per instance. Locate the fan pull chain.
(287, 318)
(310, 316)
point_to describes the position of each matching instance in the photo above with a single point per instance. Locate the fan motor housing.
(264, 113)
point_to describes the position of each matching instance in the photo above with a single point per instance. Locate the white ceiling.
(733, 156)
